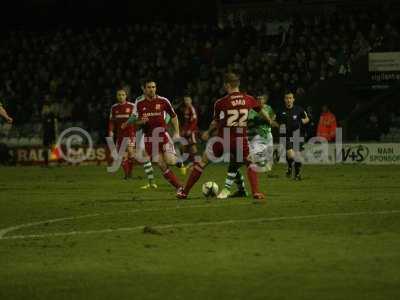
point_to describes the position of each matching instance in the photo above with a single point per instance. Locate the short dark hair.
(287, 92)
(147, 80)
(121, 88)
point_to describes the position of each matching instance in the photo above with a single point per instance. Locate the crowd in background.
(77, 71)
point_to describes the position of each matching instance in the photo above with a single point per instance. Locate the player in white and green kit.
(261, 150)
(260, 136)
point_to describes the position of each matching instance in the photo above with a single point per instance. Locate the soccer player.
(50, 130)
(147, 165)
(151, 109)
(293, 117)
(261, 149)
(189, 128)
(260, 135)
(230, 118)
(4, 114)
(120, 113)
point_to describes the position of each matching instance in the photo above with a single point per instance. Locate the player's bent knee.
(290, 153)
(170, 159)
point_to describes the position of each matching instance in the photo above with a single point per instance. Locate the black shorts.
(290, 146)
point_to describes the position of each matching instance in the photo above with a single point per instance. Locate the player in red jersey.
(189, 128)
(151, 110)
(230, 118)
(120, 113)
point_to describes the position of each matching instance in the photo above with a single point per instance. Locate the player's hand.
(205, 135)
(9, 120)
(124, 125)
(144, 120)
(111, 134)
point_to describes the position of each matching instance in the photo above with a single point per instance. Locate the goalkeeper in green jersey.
(261, 150)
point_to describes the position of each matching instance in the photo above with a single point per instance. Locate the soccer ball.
(210, 189)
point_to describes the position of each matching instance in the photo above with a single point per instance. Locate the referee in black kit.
(294, 118)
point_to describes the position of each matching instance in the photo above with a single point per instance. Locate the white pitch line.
(5, 231)
(180, 225)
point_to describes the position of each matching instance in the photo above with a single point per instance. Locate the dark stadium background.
(42, 13)
(80, 231)
(31, 29)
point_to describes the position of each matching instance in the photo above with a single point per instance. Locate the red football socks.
(194, 176)
(127, 167)
(130, 165)
(171, 178)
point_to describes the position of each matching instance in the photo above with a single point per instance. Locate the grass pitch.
(334, 235)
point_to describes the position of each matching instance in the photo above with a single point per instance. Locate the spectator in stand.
(4, 114)
(85, 63)
(327, 125)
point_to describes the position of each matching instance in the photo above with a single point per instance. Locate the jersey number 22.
(237, 117)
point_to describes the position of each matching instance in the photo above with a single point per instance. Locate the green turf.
(323, 254)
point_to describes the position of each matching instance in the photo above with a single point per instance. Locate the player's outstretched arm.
(271, 120)
(206, 134)
(135, 121)
(175, 125)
